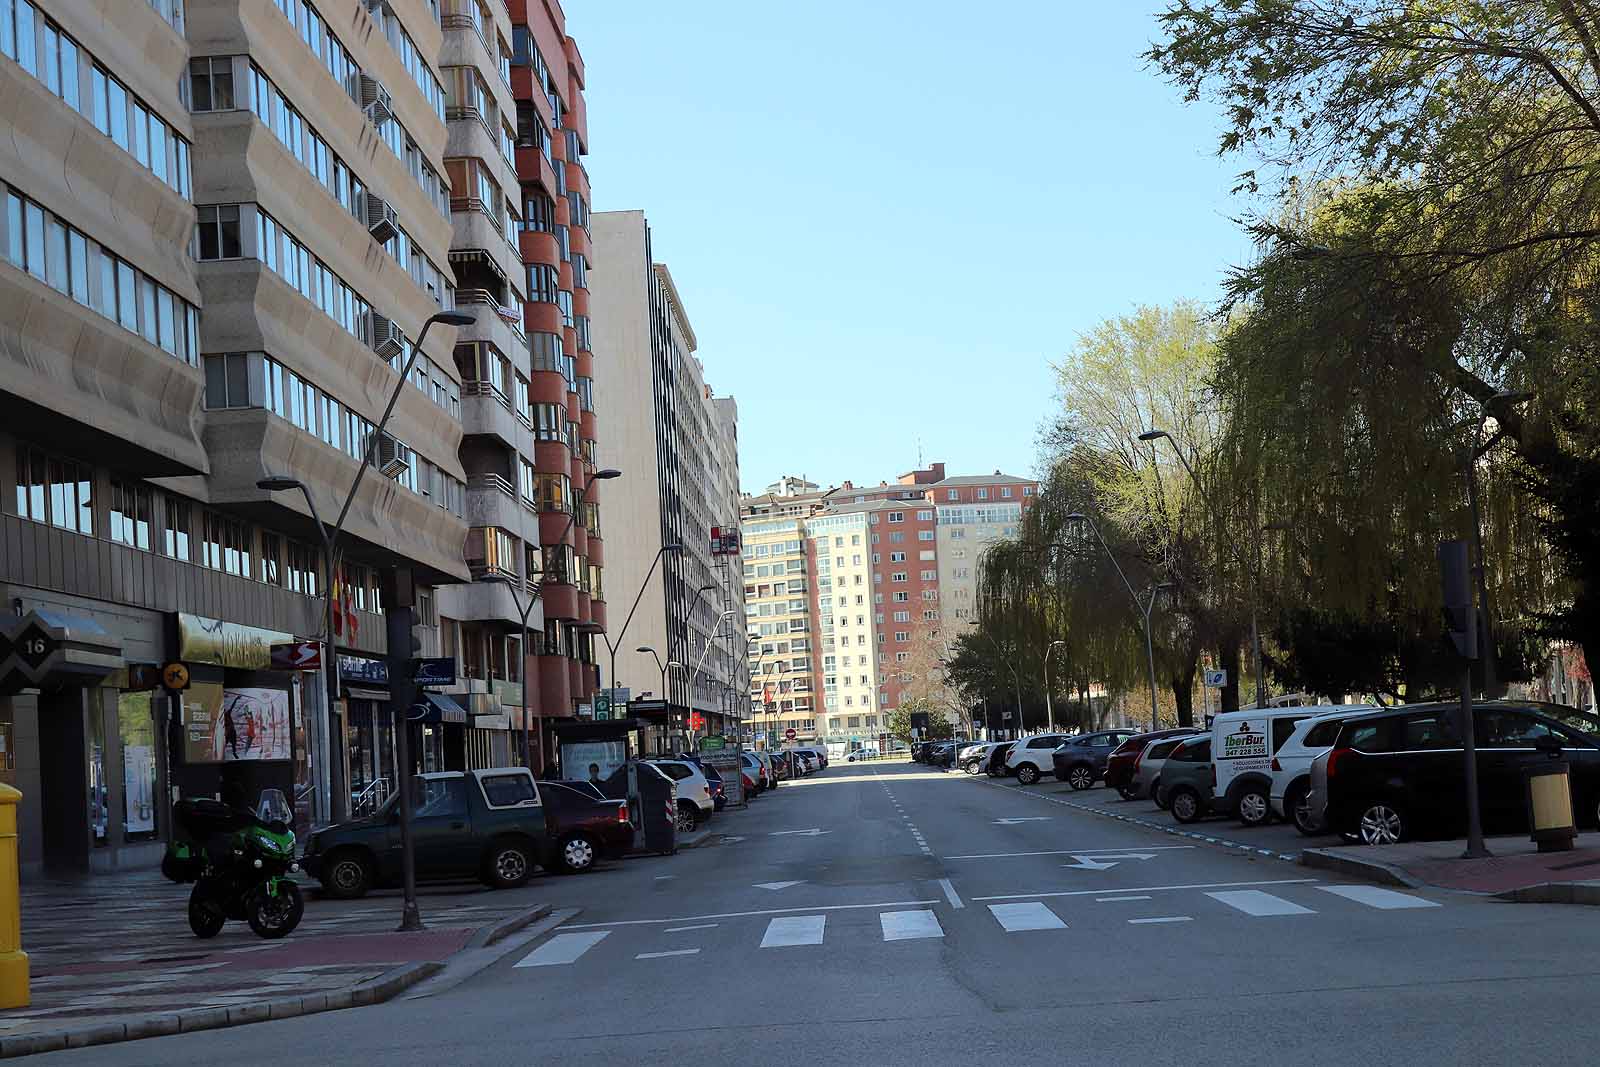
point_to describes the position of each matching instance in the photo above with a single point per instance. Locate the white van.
(1242, 746)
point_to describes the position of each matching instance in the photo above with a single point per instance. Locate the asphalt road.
(936, 918)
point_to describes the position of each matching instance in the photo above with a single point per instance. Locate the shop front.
(369, 731)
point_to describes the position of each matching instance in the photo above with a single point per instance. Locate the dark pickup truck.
(489, 824)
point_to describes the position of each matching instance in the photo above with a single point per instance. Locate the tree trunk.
(1228, 660)
(1183, 697)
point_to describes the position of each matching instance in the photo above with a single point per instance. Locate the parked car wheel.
(1185, 804)
(577, 854)
(1381, 823)
(1155, 794)
(508, 865)
(1027, 774)
(1081, 777)
(688, 817)
(1128, 792)
(1253, 805)
(346, 875)
(1298, 803)
(973, 766)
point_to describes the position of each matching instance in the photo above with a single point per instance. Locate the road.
(935, 918)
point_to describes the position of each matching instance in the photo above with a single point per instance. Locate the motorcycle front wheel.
(274, 916)
(205, 915)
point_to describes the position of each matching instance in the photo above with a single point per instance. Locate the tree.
(939, 728)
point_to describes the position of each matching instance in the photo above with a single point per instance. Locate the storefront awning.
(355, 693)
(435, 708)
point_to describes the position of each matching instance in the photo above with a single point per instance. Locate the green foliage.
(939, 727)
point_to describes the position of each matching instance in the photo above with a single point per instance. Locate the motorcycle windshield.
(273, 807)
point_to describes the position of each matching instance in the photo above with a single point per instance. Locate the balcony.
(485, 411)
(492, 501)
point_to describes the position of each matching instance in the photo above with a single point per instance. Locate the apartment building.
(779, 569)
(676, 443)
(974, 512)
(846, 632)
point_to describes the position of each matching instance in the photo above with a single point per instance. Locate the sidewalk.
(1516, 870)
(113, 956)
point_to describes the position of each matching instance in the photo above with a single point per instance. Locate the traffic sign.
(175, 676)
(602, 704)
(789, 734)
(1216, 679)
(297, 656)
(439, 671)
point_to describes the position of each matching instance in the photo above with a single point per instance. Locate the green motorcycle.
(239, 862)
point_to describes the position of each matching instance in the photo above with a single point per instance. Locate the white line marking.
(563, 948)
(950, 893)
(763, 911)
(1112, 900)
(1165, 919)
(1139, 889)
(681, 929)
(1374, 897)
(1255, 902)
(789, 930)
(1069, 852)
(909, 925)
(1030, 916)
(663, 955)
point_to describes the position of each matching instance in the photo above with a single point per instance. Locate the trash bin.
(1549, 793)
(655, 797)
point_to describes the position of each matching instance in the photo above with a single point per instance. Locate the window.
(983, 494)
(175, 541)
(130, 514)
(952, 494)
(218, 231)
(225, 545)
(56, 491)
(902, 616)
(924, 516)
(897, 516)
(898, 576)
(924, 535)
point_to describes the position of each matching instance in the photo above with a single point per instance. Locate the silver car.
(1151, 760)
(1316, 802)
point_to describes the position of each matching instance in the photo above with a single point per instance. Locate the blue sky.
(886, 219)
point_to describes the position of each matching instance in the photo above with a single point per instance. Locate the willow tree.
(1456, 263)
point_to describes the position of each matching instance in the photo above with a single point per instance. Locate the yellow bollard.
(13, 961)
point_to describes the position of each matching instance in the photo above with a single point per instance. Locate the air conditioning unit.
(388, 340)
(382, 222)
(375, 100)
(391, 457)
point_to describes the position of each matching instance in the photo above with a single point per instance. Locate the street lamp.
(1255, 572)
(1503, 399)
(611, 675)
(1015, 677)
(1049, 708)
(659, 665)
(510, 582)
(1145, 608)
(694, 680)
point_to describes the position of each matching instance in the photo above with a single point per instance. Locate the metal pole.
(1483, 617)
(1255, 640)
(611, 648)
(1150, 655)
(1049, 707)
(402, 693)
(1476, 849)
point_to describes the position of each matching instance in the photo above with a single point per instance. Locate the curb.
(711, 837)
(373, 991)
(1554, 893)
(488, 935)
(1193, 835)
(1371, 870)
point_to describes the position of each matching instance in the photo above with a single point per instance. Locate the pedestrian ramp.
(648, 939)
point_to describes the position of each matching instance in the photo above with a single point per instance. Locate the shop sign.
(227, 644)
(361, 669)
(508, 694)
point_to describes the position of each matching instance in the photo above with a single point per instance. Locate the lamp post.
(611, 675)
(1255, 573)
(1049, 708)
(1145, 608)
(1469, 467)
(694, 679)
(1015, 677)
(662, 667)
(510, 582)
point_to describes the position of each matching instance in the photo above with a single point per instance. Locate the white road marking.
(663, 955)
(789, 930)
(681, 929)
(1113, 900)
(1139, 889)
(665, 877)
(1030, 916)
(1021, 818)
(909, 925)
(813, 832)
(1255, 902)
(748, 914)
(563, 948)
(774, 885)
(1069, 852)
(950, 893)
(1164, 919)
(1374, 897)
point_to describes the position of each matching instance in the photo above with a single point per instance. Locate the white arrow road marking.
(775, 885)
(1022, 818)
(813, 832)
(1088, 862)
(731, 840)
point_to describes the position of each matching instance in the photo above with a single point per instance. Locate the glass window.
(137, 732)
(1281, 729)
(27, 54)
(78, 257)
(438, 798)
(1508, 729)
(176, 533)
(127, 299)
(1431, 731)
(34, 223)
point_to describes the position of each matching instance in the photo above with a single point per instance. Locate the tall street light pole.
(1015, 677)
(1255, 572)
(1144, 609)
(662, 667)
(1469, 471)
(611, 670)
(1049, 708)
(510, 582)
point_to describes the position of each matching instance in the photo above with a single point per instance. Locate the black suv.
(1081, 761)
(1399, 774)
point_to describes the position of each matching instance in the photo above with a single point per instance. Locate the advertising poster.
(588, 761)
(202, 704)
(254, 725)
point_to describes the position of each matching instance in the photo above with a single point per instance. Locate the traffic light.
(1460, 619)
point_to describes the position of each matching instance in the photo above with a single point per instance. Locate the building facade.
(263, 204)
(676, 443)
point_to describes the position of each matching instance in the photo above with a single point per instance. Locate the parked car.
(695, 804)
(1399, 773)
(1081, 761)
(973, 758)
(1030, 758)
(996, 765)
(1147, 768)
(818, 754)
(488, 824)
(860, 755)
(917, 748)
(758, 774)
(583, 828)
(940, 754)
(1186, 779)
(1120, 765)
(1242, 746)
(1291, 767)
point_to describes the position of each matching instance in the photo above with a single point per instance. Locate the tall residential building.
(676, 444)
(892, 570)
